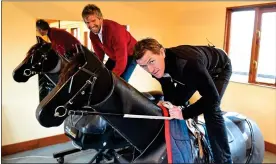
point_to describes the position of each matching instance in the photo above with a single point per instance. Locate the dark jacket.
(117, 44)
(191, 69)
(62, 40)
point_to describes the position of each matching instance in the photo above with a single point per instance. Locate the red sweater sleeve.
(119, 43)
(98, 51)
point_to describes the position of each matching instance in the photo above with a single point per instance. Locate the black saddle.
(244, 138)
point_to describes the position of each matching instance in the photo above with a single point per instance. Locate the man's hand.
(175, 111)
(160, 102)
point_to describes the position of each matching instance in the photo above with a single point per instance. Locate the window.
(74, 32)
(250, 41)
(87, 41)
(85, 35)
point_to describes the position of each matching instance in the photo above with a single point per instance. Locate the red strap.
(167, 134)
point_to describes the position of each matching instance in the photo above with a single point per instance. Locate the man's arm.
(119, 44)
(199, 76)
(183, 93)
(167, 89)
(98, 51)
(69, 41)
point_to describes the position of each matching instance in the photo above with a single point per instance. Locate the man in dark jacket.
(182, 71)
(110, 38)
(61, 40)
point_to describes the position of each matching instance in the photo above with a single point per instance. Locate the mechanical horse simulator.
(89, 90)
(43, 61)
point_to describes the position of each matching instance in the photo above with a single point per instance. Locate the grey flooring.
(45, 155)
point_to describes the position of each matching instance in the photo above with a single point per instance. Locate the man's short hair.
(146, 44)
(42, 24)
(91, 9)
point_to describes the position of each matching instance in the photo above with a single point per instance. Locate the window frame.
(72, 29)
(259, 9)
(85, 38)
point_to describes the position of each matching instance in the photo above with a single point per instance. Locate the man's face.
(153, 63)
(93, 23)
(41, 32)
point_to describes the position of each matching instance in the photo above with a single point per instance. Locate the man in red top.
(61, 40)
(110, 38)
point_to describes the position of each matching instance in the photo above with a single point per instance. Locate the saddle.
(239, 136)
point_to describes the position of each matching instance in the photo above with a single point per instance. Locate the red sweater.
(62, 40)
(118, 44)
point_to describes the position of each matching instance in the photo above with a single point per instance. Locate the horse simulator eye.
(27, 72)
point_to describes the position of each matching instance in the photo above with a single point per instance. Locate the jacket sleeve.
(56, 44)
(119, 44)
(58, 47)
(68, 41)
(169, 92)
(167, 89)
(210, 100)
(98, 51)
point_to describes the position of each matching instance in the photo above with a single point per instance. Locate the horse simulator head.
(92, 87)
(40, 58)
(76, 79)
